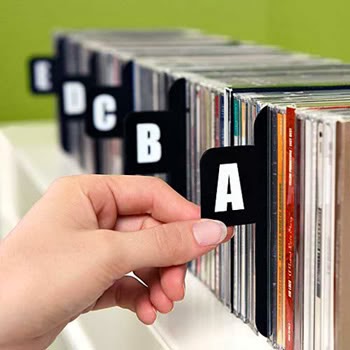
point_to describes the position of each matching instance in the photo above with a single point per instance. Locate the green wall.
(314, 26)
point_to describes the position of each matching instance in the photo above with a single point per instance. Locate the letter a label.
(230, 188)
(228, 179)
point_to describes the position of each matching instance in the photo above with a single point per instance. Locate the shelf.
(32, 160)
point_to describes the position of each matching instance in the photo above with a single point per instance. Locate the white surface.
(31, 160)
(202, 322)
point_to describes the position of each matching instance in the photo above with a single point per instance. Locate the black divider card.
(106, 109)
(155, 142)
(124, 104)
(150, 143)
(234, 190)
(72, 103)
(59, 73)
(108, 106)
(42, 75)
(73, 93)
(261, 134)
(178, 105)
(229, 185)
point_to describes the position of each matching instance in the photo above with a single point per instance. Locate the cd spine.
(290, 232)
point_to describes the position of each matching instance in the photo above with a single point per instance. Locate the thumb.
(164, 245)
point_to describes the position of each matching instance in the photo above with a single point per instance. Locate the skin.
(70, 255)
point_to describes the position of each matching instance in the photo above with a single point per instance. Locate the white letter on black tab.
(74, 98)
(104, 112)
(228, 175)
(149, 149)
(42, 75)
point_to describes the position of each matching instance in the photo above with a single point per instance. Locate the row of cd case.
(284, 275)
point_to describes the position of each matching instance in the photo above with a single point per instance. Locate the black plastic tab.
(230, 185)
(178, 105)
(106, 110)
(72, 97)
(125, 105)
(261, 138)
(60, 43)
(150, 144)
(42, 75)
(172, 125)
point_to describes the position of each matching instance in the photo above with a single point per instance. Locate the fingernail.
(209, 232)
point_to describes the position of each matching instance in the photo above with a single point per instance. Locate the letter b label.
(149, 149)
(150, 143)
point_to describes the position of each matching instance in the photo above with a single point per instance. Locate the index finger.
(135, 195)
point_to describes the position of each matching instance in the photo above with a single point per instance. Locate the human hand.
(71, 252)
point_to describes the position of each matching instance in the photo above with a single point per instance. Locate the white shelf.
(31, 160)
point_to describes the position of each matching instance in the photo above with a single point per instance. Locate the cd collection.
(289, 280)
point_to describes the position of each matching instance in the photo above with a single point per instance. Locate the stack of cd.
(302, 129)
(286, 278)
(107, 57)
